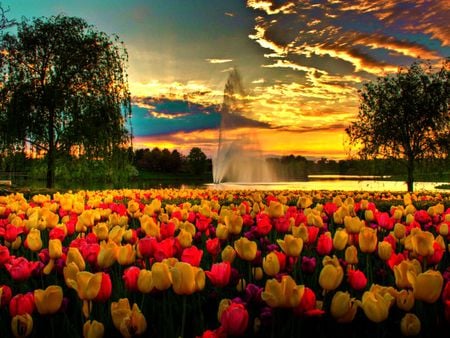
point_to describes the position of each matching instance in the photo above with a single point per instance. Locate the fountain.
(239, 158)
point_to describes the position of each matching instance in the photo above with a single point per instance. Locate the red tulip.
(220, 274)
(105, 289)
(202, 223)
(5, 295)
(324, 245)
(167, 248)
(167, 230)
(130, 277)
(57, 233)
(90, 253)
(234, 319)
(312, 234)
(213, 246)
(20, 268)
(357, 279)
(4, 255)
(147, 246)
(21, 304)
(307, 305)
(263, 224)
(192, 255)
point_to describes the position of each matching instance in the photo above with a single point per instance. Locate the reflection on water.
(333, 184)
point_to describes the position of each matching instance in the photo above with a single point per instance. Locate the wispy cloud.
(219, 60)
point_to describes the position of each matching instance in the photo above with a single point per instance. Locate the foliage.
(197, 161)
(64, 90)
(405, 116)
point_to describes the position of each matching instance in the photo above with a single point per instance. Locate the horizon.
(301, 62)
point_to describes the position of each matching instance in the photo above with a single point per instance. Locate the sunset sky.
(301, 63)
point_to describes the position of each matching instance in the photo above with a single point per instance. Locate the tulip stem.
(183, 318)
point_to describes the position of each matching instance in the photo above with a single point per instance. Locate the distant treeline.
(197, 164)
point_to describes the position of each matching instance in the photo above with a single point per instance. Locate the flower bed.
(169, 263)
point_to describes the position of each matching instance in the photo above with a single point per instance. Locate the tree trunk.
(410, 178)
(51, 151)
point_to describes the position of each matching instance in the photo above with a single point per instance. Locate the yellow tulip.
(427, 286)
(271, 264)
(443, 229)
(22, 325)
(126, 254)
(222, 231)
(368, 215)
(410, 325)
(145, 281)
(88, 284)
(343, 308)
(74, 255)
(223, 305)
(353, 225)
(120, 310)
(107, 255)
(257, 273)
(183, 279)
(134, 324)
(291, 246)
(422, 243)
(70, 274)
(48, 301)
(116, 234)
(367, 239)
(234, 223)
(384, 250)
(340, 239)
(185, 238)
(331, 274)
(245, 248)
(55, 248)
(376, 306)
(133, 208)
(161, 276)
(101, 230)
(399, 230)
(282, 294)
(228, 254)
(34, 240)
(149, 226)
(404, 271)
(275, 209)
(351, 255)
(93, 329)
(405, 300)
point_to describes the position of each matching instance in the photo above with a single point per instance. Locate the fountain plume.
(239, 157)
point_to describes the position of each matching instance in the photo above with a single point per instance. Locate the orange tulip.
(48, 301)
(93, 329)
(367, 239)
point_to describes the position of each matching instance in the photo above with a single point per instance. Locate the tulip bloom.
(107, 255)
(367, 239)
(271, 264)
(340, 239)
(126, 254)
(410, 325)
(324, 244)
(129, 321)
(213, 246)
(351, 255)
(405, 300)
(33, 240)
(20, 268)
(4, 255)
(353, 225)
(376, 305)
(48, 301)
(186, 279)
(145, 281)
(428, 285)
(93, 329)
(384, 250)
(22, 325)
(357, 279)
(220, 274)
(228, 254)
(291, 246)
(234, 223)
(245, 248)
(91, 286)
(21, 304)
(192, 255)
(343, 308)
(162, 279)
(130, 278)
(234, 319)
(282, 294)
(5, 295)
(422, 243)
(404, 271)
(331, 274)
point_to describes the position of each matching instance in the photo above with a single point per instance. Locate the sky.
(301, 63)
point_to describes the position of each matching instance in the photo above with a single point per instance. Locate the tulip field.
(212, 263)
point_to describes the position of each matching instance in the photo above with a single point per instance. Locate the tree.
(197, 161)
(63, 89)
(404, 116)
